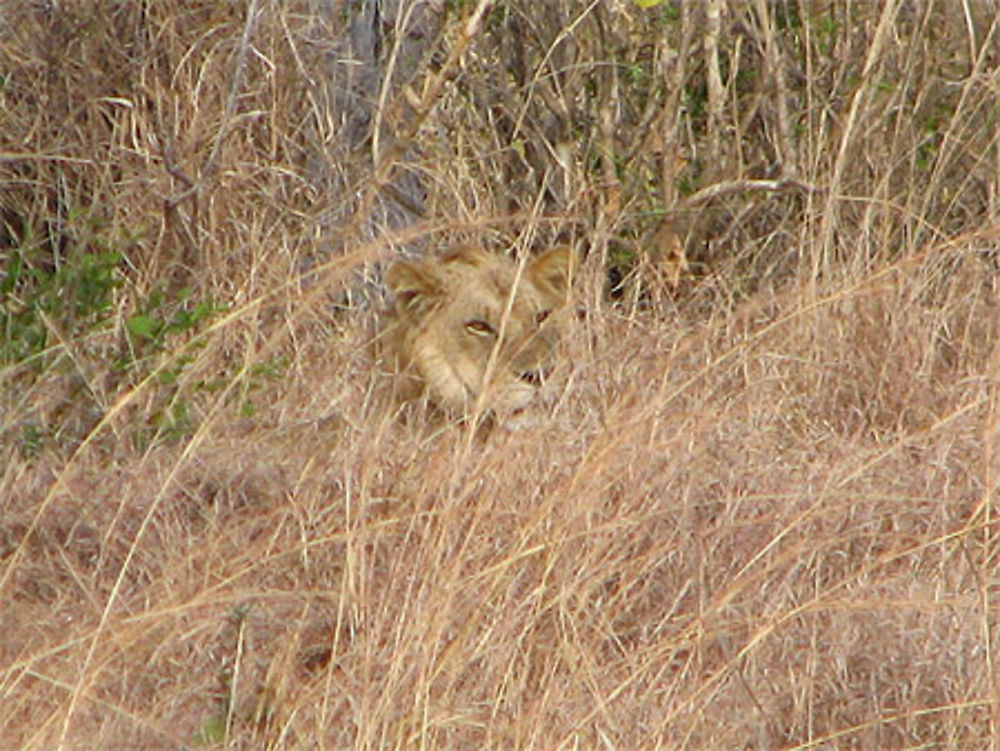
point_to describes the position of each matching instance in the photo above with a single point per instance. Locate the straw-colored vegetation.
(760, 511)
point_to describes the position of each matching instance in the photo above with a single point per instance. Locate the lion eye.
(540, 317)
(480, 328)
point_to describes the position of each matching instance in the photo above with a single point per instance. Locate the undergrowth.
(759, 512)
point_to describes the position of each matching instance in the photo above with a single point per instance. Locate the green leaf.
(145, 326)
(646, 4)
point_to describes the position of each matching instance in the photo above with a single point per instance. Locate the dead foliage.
(759, 512)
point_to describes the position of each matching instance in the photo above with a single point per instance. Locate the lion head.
(473, 330)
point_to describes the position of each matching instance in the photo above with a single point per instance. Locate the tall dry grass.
(759, 512)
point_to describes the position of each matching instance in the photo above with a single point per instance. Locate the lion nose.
(534, 377)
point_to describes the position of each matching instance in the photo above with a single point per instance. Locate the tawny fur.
(472, 330)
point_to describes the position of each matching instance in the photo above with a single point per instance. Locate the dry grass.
(761, 510)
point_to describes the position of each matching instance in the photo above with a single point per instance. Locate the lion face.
(471, 330)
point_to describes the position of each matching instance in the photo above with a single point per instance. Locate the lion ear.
(414, 286)
(552, 272)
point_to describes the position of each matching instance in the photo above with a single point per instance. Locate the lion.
(474, 332)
